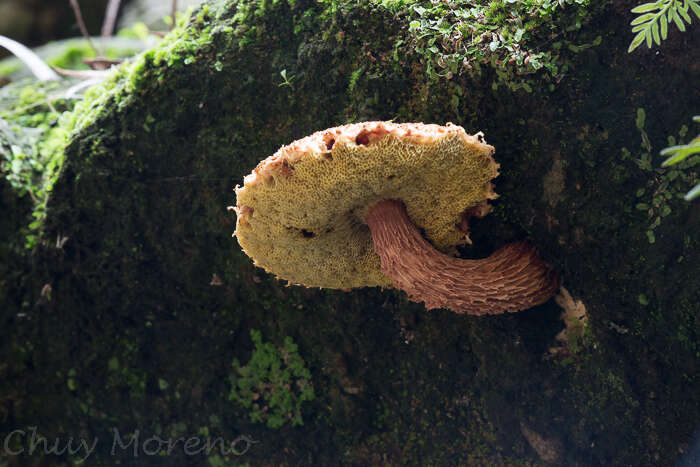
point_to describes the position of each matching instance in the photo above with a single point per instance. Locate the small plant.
(274, 384)
(665, 184)
(652, 24)
(287, 80)
(681, 152)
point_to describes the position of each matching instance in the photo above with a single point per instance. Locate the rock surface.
(116, 320)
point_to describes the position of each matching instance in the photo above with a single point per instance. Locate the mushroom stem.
(513, 278)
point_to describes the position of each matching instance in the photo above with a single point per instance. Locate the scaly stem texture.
(513, 278)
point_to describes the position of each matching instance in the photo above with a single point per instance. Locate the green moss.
(33, 142)
(71, 58)
(8, 68)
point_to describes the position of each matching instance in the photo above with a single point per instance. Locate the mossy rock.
(146, 284)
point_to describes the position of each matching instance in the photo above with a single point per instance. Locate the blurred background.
(36, 22)
(118, 29)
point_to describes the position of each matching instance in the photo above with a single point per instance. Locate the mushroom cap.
(301, 211)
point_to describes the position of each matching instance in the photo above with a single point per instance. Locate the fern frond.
(652, 23)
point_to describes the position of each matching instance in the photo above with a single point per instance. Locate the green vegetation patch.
(274, 384)
(666, 185)
(32, 140)
(517, 38)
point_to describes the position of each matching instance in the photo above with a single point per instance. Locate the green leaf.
(647, 36)
(636, 41)
(686, 149)
(518, 34)
(694, 193)
(640, 27)
(677, 19)
(655, 33)
(651, 237)
(641, 118)
(643, 19)
(695, 8)
(673, 159)
(645, 7)
(664, 27)
(681, 155)
(683, 131)
(684, 13)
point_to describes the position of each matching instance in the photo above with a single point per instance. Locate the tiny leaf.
(694, 193)
(684, 13)
(655, 33)
(518, 34)
(664, 27)
(695, 8)
(677, 19)
(643, 19)
(644, 8)
(641, 118)
(673, 160)
(636, 41)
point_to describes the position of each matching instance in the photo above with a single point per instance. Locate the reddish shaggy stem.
(513, 278)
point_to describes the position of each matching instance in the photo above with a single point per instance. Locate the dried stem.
(110, 19)
(173, 10)
(81, 24)
(35, 64)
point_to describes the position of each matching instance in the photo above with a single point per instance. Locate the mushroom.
(386, 204)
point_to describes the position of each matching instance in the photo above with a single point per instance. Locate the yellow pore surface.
(300, 213)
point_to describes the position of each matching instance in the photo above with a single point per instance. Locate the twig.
(81, 24)
(73, 91)
(52, 108)
(110, 20)
(173, 10)
(35, 64)
(101, 63)
(81, 74)
(20, 110)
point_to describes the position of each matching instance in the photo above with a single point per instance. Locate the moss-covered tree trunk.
(139, 299)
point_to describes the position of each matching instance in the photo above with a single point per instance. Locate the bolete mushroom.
(382, 204)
